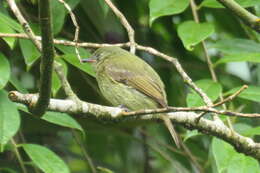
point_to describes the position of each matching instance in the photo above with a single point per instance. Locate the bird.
(126, 80)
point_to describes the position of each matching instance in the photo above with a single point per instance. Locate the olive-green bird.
(125, 79)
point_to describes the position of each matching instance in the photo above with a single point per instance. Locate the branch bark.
(46, 59)
(188, 119)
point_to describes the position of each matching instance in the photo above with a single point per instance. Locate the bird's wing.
(139, 81)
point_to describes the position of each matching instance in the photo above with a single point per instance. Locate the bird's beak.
(89, 60)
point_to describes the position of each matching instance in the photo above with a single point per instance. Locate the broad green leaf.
(59, 13)
(7, 29)
(5, 20)
(9, 118)
(237, 46)
(229, 161)
(216, 4)
(160, 8)
(57, 118)
(70, 57)
(191, 133)
(56, 84)
(211, 88)
(29, 51)
(4, 70)
(45, 159)
(251, 93)
(17, 84)
(250, 57)
(252, 132)
(62, 119)
(192, 33)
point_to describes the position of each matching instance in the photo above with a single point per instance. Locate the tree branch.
(47, 59)
(247, 17)
(188, 119)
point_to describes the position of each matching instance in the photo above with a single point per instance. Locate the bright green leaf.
(229, 161)
(211, 88)
(250, 57)
(160, 8)
(9, 118)
(59, 13)
(17, 84)
(5, 20)
(252, 132)
(4, 71)
(251, 93)
(192, 33)
(237, 46)
(62, 119)
(190, 133)
(45, 159)
(71, 58)
(216, 4)
(29, 51)
(57, 118)
(7, 29)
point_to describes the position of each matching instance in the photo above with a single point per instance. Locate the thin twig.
(19, 158)
(231, 97)
(84, 151)
(210, 65)
(26, 27)
(203, 109)
(124, 22)
(77, 28)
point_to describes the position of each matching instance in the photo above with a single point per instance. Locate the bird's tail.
(170, 127)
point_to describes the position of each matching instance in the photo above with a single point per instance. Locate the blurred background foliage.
(64, 143)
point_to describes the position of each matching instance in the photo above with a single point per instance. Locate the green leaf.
(29, 51)
(57, 118)
(252, 132)
(249, 57)
(160, 8)
(216, 4)
(229, 161)
(9, 118)
(191, 133)
(59, 13)
(7, 29)
(5, 20)
(17, 84)
(252, 93)
(237, 46)
(56, 84)
(45, 159)
(4, 71)
(211, 88)
(62, 119)
(192, 33)
(71, 58)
